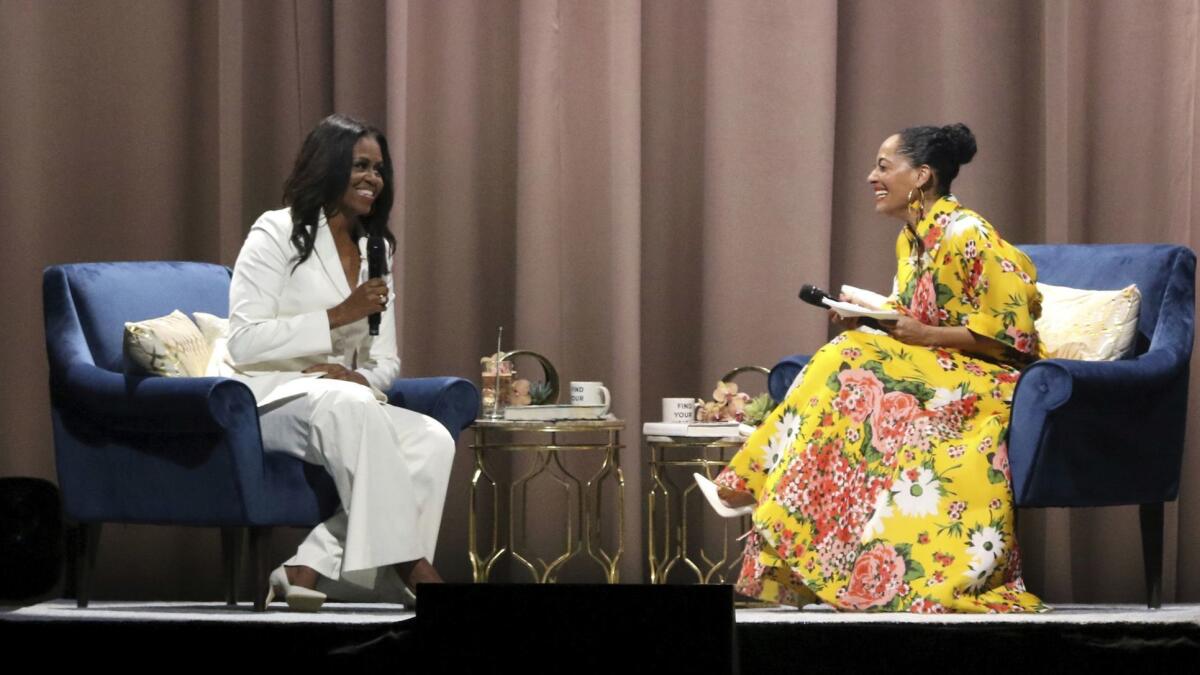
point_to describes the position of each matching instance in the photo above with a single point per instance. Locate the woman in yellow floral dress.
(881, 481)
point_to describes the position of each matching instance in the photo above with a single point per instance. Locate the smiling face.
(894, 177)
(366, 178)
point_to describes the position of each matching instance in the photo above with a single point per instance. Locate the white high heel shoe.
(709, 490)
(298, 598)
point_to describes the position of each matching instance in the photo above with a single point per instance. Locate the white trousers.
(391, 467)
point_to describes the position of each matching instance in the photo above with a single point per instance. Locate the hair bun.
(961, 140)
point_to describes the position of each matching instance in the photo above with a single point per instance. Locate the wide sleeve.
(381, 366)
(903, 268)
(256, 331)
(997, 296)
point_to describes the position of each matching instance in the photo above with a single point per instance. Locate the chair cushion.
(216, 334)
(1112, 267)
(169, 345)
(1086, 324)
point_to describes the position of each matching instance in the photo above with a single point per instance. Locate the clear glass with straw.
(497, 382)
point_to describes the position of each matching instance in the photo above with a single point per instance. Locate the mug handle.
(607, 400)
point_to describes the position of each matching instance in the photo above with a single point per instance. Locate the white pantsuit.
(391, 466)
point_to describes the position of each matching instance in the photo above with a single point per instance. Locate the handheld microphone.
(814, 296)
(376, 267)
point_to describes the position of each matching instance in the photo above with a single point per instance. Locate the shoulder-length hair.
(321, 176)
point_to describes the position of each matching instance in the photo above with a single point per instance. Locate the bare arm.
(913, 332)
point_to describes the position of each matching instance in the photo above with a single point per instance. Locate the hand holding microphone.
(815, 296)
(369, 298)
(376, 269)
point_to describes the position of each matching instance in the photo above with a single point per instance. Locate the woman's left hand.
(338, 372)
(909, 331)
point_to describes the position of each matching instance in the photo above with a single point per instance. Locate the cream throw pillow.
(1088, 325)
(216, 334)
(170, 345)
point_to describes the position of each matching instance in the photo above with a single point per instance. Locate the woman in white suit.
(299, 302)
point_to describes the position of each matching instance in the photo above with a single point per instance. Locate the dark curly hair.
(321, 174)
(944, 149)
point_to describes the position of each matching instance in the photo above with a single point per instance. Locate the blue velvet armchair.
(1088, 433)
(178, 451)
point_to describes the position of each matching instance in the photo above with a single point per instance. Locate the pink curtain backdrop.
(635, 189)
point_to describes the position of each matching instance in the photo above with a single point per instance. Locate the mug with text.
(591, 393)
(679, 410)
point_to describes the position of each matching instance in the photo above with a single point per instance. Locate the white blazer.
(278, 324)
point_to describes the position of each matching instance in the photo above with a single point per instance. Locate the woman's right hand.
(843, 322)
(367, 299)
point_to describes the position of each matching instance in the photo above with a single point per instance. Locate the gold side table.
(697, 455)
(583, 516)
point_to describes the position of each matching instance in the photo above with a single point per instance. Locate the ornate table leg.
(481, 566)
(656, 483)
(593, 515)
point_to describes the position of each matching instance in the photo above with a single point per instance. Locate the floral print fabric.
(882, 478)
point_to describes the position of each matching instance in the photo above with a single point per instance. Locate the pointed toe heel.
(298, 598)
(709, 490)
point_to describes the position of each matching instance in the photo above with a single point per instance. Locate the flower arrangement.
(518, 393)
(731, 405)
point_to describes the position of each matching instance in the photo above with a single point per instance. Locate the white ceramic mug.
(591, 393)
(679, 410)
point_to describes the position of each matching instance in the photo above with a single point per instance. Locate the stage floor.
(367, 614)
(377, 637)
(1061, 614)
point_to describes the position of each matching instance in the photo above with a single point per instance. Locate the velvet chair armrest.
(1099, 432)
(157, 449)
(148, 404)
(453, 401)
(1059, 382)
(784, 373)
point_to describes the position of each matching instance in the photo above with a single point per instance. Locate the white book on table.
(550, 413)
(697, 429)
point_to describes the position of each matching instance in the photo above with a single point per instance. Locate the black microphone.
(376, 267)
(813, 296)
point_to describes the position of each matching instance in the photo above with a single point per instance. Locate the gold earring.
(917, 206)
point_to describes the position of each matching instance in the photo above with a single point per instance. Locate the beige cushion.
(1088, 325)
(216, 335)
(170, 345)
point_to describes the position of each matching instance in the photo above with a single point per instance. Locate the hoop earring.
(917, 206)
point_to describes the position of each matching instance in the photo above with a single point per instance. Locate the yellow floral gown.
(882, 479)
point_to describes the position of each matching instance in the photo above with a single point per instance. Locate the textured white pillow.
(170, 345)
(1088, 325)
(216, 334)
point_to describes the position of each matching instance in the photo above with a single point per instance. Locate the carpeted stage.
(618, 629)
